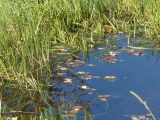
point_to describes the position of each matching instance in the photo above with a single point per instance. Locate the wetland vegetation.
(37, 36)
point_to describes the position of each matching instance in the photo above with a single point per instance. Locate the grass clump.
(141, 17)
(31, 31)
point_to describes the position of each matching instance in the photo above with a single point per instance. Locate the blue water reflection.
(140, 74)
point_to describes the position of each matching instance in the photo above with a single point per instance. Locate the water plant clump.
(32, 34)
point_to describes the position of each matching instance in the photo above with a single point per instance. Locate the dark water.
(140, 74)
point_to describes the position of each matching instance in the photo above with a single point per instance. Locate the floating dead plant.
(144, 103)
(110, 57)
(110, 77)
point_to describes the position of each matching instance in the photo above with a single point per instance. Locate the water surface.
(133, 73)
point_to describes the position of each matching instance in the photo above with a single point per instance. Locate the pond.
(103, 82)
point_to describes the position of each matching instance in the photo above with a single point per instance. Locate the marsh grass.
(142, 16)
(31, 32)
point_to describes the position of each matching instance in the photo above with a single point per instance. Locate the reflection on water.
(98, 86)
(125, 69)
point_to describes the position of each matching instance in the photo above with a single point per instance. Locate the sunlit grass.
(31, 32)
(140, 16)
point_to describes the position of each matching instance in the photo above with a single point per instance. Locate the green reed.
(141, 16)
(30, 32)
(31, 29)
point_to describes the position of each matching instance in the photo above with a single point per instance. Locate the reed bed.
(139, 17)
(31, 31)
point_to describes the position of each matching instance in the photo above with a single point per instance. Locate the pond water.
(115, 76)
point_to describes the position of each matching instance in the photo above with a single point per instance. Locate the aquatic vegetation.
(142, 16)
(36, 35)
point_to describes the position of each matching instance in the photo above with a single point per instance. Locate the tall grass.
(140, 16)
(30, 32)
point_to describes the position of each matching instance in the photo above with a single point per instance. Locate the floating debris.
(84, 87)
(87, 77)
(91, 65)
(61, 73)
(74, 57)
(111, 61)
(81, 72)
(82, 62)
(138, 53)
(101, 48)
(110, 77)
(63, 68)
(75, 109)
(113, 53)
(74, 63)
(68, 80)
(95, 76)
(106, 96)
(134, 51)
(90, 46)
(103, 97)
(148, 114)
(140, 117)
(110, 57)
(93, 89)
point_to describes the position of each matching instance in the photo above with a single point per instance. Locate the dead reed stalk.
(143, 102)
